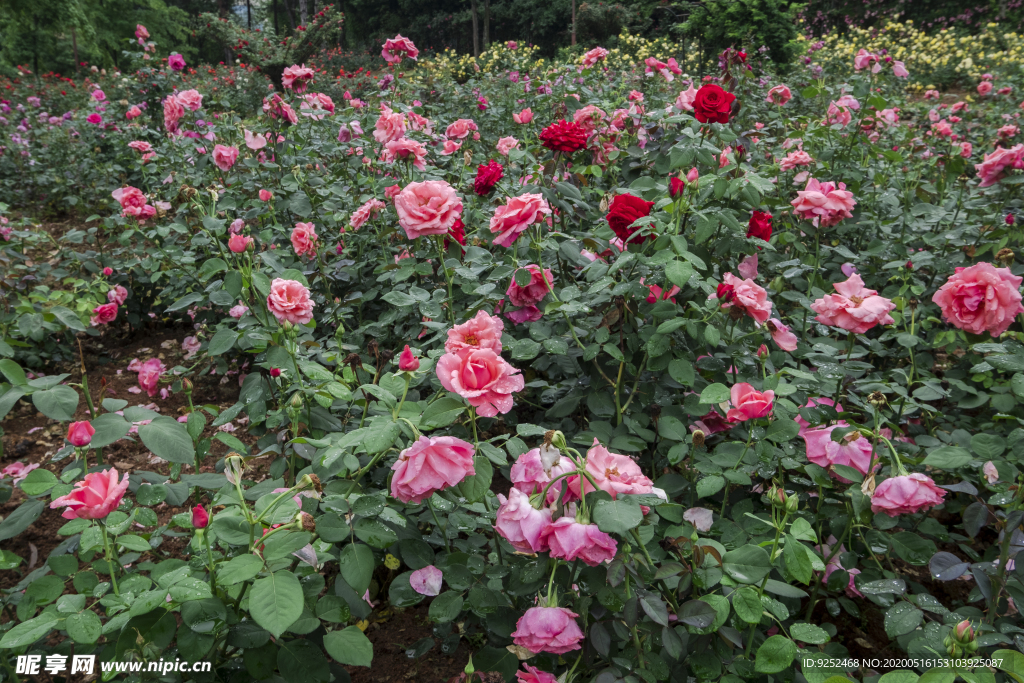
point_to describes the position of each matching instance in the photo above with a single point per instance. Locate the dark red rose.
(725, 293)
(676, 186)
(760, 225)
(487, 176)
(564, 136)
(624, 209)
(457, 232)
(712, 104)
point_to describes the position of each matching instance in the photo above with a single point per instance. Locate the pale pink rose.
(236, 226)
(95, 497)
(430, 465)
(104, 314)
(368, 210)
(405, 149)
(506, 145)
(990, 472)
(838, 115)
(966, 150)
(238, 311)
(279, 109)
(173, 111)
(140, 146)
(534, 469)
(548, 629)
(396, 48)
(795, 159)
(824, 204)
(567, 539)
(589, 118)
(190, 99)
(888, 117)
(419, 123)
(482, 377)
(853, 307)
(254, 141)
(782, 335)
(747, 268)
(304, 239)
(460, 129)
(779, 95)
(17, 471)
(190, 345)
(297, 77)
(532, 673)
(224, 157)
(516, 215)
(316, 105)
(745, 295)
(592, 57)
(984, 88)
(700, 518)
(853, 451)
(538, 287)
(425, 208)
(667, 70)
(390, 126)
(848, 101)
(520, 523)
(748, 403)
(980, 298)
(344, 134)
(289, 302)
(833, 565)
(133, 202)
(149, 376)
(906, 494)
(117, 295)
(613, 473)
(482, 331)
(899, 70)
(523, 117)
(684, 101)
(993, 167)
(426, 581)
(865, 59)
(1008, 131)
(450, 147)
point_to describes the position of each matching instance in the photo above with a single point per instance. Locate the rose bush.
(533, 395)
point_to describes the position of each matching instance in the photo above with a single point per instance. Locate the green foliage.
(745, 25)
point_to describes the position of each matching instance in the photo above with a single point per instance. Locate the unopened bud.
(186, 385)
(777, 497)
(296, 401)
(698, 438)
(555, 438)
(792, 504)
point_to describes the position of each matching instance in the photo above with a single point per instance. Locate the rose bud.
(200, 517)
(80, 433)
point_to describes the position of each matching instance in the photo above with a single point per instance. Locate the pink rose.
(450, 147)
(779, 95)
(853, 451)
(190, 345)
(899, 70)
(266, 195)
(390, 126)
(592, 57)
(80, 433)
(117, 295)
(990, 472)
(254, 141)
(548, 629)
(365, 212)
(838, 115)
(407, 360)
(405, 149)
(482, 377)
(781, 335)
(190, 99)
(506, 145)
(104, 314)
(17, 471)
(297, 77)
(906, 494)
(613, 473)
(794, 159)
(980, 298)
(748, 403)
(568, 540)
(460, 129)
(316, 105)
(539, 286)
(224, 157)
(746, 296)
(426, 581)
(425, 208)
(238, 311)
(392, 191)
(992, 168)
(520, 523)
(289, 302)
(516, 215)
(523, 117)
(984, 88)
(239, 243)
(589, 118)
(94, 118)
(176, 62)
(824, 203)
(865, 59)
(149, 375)
(398, 47)
(140, 146)
(430, 465)
(94, 497)
(304, 239)
(133, 112)
(854, 307)
(236, 226)
(482, 331)
(533, 471)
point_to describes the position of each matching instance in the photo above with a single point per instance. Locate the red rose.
(487, 176)
(725, 293)
(624, 209)
(564, 136)
(676, 186)
(760, 225)
(457, 232)
(712, 104)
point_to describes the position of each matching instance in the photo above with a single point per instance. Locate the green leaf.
(714, 393)
(446, 607)
(133, 542)
(902, 618)
(30, 631)
(38, 482)
(21, 518)
(168, 439)
(808, 633)
(301, 661)
(84, 627)
(381, 436)
(747, 605)
(222, 342)
(747, 564)
(110, 427)
(68, 318)
(617, 516)
(899, 676)
(349, 647)
(442, 413)
(797, 561)
(58, 403)
(679, 272)
(775, 655)
(913, 548)
(709, 486)
(475, 486)
(13, 372)
(948, 458)
(275, 602)
(239, 569)
(782, 430)
(1012, 662)
(681, 370)
(357, 565)
(9, 398)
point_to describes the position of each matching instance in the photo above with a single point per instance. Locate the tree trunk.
(573, 22)
(476, 30)
(277, 30)
(288, 13)
(303, 12)
(487, 24)
(248, 13)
